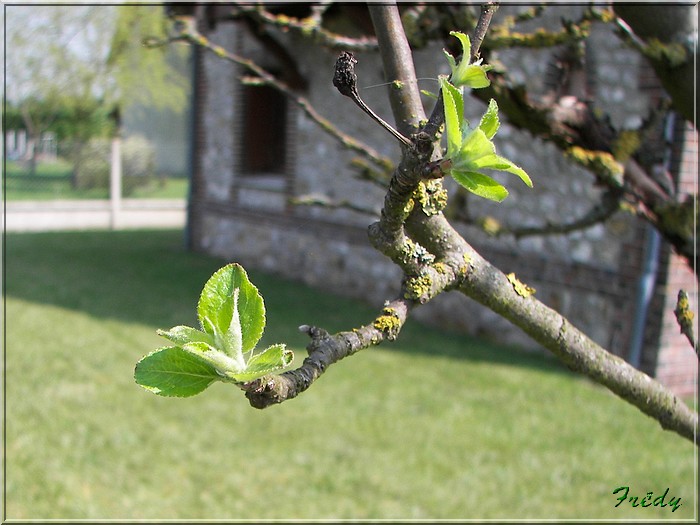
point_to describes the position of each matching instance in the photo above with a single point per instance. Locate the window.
(264, 135)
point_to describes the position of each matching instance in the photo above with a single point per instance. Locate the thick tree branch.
(666, 34)
(478, 279)
(398, 67)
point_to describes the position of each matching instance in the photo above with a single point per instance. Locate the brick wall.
(673, 360)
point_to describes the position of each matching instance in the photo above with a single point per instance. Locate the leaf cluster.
(471, 150)
(231, 314)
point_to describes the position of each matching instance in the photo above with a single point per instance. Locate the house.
(254, 151)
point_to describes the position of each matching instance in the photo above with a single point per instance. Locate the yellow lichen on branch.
(522, 289)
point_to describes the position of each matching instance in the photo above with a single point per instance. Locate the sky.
(54, 44)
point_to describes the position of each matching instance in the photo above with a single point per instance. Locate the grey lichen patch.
(414, 252)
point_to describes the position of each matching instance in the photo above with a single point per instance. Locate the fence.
(47, 170)
(97, 184)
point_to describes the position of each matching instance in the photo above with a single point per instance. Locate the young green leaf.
(270, 360)
(489, 122)
(465, 73)
(224, 364)
(471, 150)
(480, 184)
(181, 335)
(171, 371)
(216, 305)
(453, 104)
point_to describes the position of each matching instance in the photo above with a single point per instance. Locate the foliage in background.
(91, 163)
(73, 69)
(145, 76)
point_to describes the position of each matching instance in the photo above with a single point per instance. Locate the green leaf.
(480, 184)
(218, 301)
(224, 364)
(232, 339)
(172, 371)
(181, 335)
(506, 165)
(468, 74)
(270, 360)
(453, 105)
(475, 148)
(489, 122)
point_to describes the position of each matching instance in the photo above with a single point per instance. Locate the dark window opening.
(264, 131)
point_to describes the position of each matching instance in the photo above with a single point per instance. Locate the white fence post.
(115, 183)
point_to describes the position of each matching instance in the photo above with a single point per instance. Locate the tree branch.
(310, 27)
(478, 279)
(398, 67)
(324, 350)
(599, 213)
(684, 317)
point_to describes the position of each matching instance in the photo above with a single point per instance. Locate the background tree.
(85, 65)
(414, 230)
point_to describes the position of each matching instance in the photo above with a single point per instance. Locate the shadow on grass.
(147, 277)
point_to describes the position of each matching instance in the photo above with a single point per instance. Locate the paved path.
(25, 216)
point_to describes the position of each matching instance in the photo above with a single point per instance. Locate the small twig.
(325, 201)
(487, 11)
(324, 350)
(345, 80)
(601, 212)
(685, 316)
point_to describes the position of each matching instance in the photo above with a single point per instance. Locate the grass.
(433, 426)
(53, 180)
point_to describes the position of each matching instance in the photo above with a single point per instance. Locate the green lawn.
(53, 180)
(433, 426)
